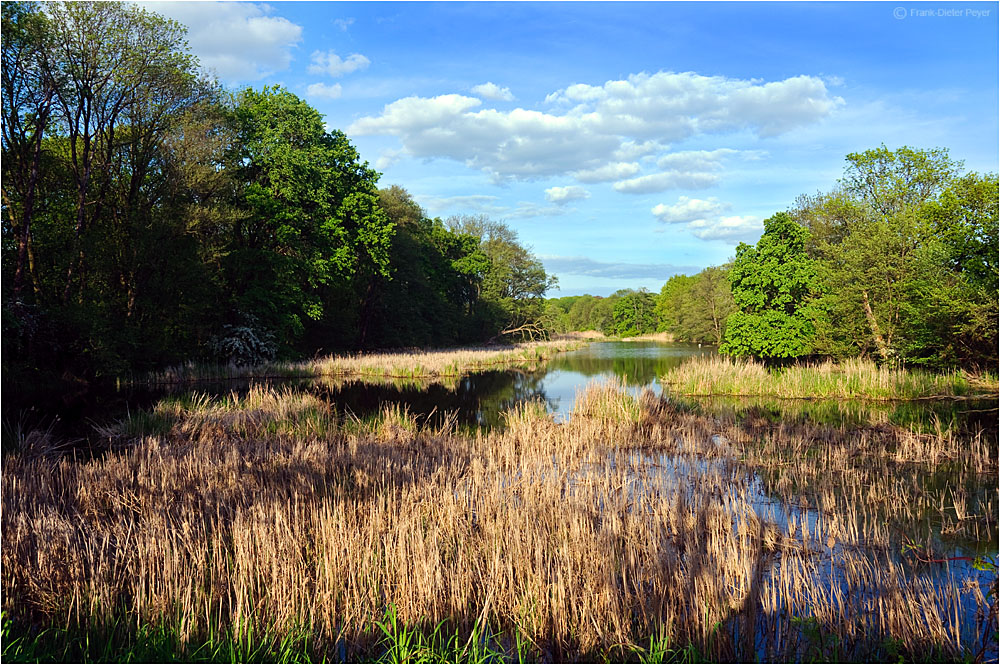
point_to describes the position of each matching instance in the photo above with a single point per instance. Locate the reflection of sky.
(638, 364)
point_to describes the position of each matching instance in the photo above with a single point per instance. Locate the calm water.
(478, 400)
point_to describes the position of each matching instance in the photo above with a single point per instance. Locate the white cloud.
(492, 91)
(238, 41)
(608, 172)
(343, 23)
(562, 195)
(487, 205)
(601, 130)
(695, 160)
(689, 210)
(323, 90)
(579, 265)
(732, 229)
(388, 158)
(703, 218)
(330, 63)
(658, 182)
(475, 203)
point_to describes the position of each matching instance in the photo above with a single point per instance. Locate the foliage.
(774, 285)
(634, 313)
(147, 213)
(907, 247)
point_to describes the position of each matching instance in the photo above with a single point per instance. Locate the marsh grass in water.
(632, 531)
(402, 366)
(854, 378)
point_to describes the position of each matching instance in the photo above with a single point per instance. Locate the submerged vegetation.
(633, 531)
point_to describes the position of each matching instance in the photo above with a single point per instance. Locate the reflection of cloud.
(597, 132)
(578, 265)
(237, 40)
(562, 195)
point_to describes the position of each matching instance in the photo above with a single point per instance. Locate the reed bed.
(403, 366)
(854, 378)
(631, 531)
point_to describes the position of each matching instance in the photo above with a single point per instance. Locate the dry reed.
(748, 540)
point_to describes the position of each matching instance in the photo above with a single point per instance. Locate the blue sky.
(624, 142)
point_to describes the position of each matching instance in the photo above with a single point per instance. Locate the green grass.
(121, 642)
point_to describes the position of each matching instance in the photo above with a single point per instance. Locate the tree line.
(151, 217)
(899, 261)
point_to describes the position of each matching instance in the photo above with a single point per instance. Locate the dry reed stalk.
(630, 517)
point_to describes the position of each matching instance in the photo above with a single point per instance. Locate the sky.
(623, 142)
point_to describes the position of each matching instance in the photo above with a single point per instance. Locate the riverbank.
(408, 364)
(632, 529)
(853, 378)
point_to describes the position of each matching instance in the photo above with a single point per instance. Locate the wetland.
(569, 508)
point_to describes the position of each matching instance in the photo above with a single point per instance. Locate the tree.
(634, 313)
(514, 282)
(901, 242)
(28, 89)
(309, 220)
(774, 286)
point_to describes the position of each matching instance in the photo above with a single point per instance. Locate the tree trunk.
(880, 344)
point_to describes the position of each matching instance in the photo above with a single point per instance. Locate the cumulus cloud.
(330, 63)
(578, 265)
(474, 203)
(704, 219)
(343, 23)
(492, 91)
(323, 90)
(732, 229)
(238, 41)
(563, 195)
(658, 182)
(689, 169)
(388, 158)
(483, 204)
(608, 172)
(597, 132)
(689, 210)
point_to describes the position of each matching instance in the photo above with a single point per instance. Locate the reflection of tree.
(640, 363)
(476, 400)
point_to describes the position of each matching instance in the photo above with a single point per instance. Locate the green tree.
(669, 302)
(512, 287)
(634, 313)
(309, 214)
(902, 244)
(774, 286)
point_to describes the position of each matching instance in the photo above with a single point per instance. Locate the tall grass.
(853, 378)
(401, 365)
(264, 517)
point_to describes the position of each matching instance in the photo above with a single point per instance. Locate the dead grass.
(628, 520)
(399, 366)
(853, 378)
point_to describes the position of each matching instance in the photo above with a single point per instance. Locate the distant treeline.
(898, 262)
(152, 217)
